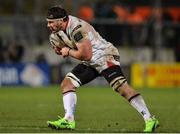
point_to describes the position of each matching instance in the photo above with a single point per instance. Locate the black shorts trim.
(117, 81)
(112, 72)
(85, 73)
(74, 79)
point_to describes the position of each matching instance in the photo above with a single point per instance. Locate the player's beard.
(57, 28)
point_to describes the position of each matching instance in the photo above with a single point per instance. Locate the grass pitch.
(99, 109)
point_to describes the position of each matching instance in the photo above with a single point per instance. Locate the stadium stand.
(130, 25)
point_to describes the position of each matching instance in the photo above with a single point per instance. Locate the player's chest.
(66, 38)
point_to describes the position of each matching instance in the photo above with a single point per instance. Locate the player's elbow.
(88, 53)
(88, 57)
(85, 50)
(85, 56)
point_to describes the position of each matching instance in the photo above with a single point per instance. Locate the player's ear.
(65, 18)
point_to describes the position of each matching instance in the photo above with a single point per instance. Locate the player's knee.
(127, 91)
(66, 85)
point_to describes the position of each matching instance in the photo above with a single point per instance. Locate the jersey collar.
(67, 24)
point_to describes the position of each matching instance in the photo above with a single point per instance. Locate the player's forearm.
(83, 51)
(80, 55)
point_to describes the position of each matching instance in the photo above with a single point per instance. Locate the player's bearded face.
(55, 25)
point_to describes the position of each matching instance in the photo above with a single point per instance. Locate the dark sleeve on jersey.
(78, 36)
(78, 33)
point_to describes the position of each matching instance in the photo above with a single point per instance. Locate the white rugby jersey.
(104, 54)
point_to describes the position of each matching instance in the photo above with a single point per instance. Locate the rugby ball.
(60, 40)
(55, 41)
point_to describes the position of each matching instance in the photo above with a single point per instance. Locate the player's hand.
(57, 50)
(65, 51)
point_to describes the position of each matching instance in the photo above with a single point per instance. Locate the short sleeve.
(79, 33)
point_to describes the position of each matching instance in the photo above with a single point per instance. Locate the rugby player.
(98, 58)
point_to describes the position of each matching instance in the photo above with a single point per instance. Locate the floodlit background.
(147, 34)
(144, 31)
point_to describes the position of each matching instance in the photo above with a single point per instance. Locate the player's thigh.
(82, 74)
(114, 76)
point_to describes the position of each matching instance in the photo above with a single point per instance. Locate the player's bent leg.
(136, 100)
(67, 86)
(69, 101)
(80, 75)
(119, 84)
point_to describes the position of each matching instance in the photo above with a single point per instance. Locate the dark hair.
(57, 12)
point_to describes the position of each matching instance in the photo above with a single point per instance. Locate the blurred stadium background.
(146, 33)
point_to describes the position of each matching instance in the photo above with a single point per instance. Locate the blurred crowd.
(123, 10)
(128, 14)
(133, 25)
(11, 52)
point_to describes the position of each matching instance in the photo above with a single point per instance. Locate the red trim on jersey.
(110, 64)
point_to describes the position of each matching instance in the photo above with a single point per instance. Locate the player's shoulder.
(75, 23)
(78, 28)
